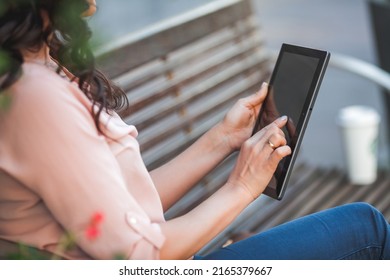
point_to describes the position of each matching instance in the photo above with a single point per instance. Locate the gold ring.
(272, 145)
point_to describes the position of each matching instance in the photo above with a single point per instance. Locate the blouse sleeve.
(59, 154)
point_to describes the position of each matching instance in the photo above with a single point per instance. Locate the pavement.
(339, 26)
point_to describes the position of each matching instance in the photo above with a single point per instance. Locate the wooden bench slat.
(211, 65)
(289, 208)
(115, 58)
(230, 95)
(376, 194)
(136, 78)
(317, 197)
(205, 89)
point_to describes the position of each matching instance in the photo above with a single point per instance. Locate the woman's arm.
(256, 164)
(187, 234)
(176, 177)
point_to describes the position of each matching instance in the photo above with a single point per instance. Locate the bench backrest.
(181, 75)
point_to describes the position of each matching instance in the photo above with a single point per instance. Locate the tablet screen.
(292, 91)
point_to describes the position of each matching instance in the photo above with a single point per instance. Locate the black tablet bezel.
(287, 164)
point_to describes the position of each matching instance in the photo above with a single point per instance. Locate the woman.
(69, 164)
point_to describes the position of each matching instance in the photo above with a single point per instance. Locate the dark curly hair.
(68, 35)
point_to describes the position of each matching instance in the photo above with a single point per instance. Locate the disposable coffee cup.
(359, 127)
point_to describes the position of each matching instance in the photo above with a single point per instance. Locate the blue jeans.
(352, 231)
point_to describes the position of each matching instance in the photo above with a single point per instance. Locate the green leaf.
(5, 102)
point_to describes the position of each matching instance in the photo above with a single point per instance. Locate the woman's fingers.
(274, 127)
(259, 157)
(278, 154)
(281, 122)
(276, 140)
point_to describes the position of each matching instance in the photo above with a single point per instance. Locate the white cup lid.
(357, 116)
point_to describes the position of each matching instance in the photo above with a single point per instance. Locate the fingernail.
(263, 86)
(283, 118)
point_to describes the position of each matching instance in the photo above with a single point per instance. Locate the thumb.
(256, 99)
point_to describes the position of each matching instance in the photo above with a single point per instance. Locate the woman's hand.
(237, 126)
(259, 157)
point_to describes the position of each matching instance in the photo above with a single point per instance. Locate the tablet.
(293, 88)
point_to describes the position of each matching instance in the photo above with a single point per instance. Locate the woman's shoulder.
(41, 85)
(37, 77)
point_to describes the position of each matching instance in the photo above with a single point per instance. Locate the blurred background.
(339, 26)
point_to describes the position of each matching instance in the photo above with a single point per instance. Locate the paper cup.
(359, 130)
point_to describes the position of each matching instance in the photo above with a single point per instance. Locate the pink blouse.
(56, 171)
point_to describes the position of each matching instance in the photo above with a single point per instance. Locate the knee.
(363, 208)
(367, 213)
